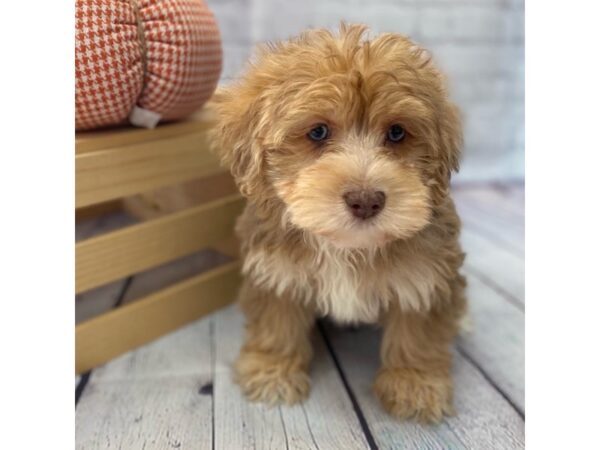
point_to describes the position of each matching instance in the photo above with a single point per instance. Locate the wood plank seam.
(240, 424)
(495, 340)
(472, 226)
(475, 205)
(355, 405)
(517, 303)
(287, 445)
(452, 430)
(213, 364)
(312, 436)
(490, 380)
(85, 377)
(454, 433)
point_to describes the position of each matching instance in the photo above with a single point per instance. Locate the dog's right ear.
(236, 136)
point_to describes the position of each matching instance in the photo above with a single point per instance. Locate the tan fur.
(304, 254)
(273, 364)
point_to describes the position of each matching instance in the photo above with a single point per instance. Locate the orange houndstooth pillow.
(143, 60)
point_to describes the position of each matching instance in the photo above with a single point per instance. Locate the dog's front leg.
(274, 360)
(414, 380)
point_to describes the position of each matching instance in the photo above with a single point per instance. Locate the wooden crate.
(113, 165)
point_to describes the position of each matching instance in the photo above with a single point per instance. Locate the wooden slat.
(89, 141)
(484, 420)
(102, 338)
(118, 172)
(152, 280)
(103, 298)
(326, 420)
(170, 199)
(124, 252)
(152, 397)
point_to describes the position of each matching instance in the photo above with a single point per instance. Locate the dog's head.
(357, 138)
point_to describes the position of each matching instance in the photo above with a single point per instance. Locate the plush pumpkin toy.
(143, 61)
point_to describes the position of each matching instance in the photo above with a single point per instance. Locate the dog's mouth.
(363, 235)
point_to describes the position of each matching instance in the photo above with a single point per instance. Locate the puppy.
(344, 148)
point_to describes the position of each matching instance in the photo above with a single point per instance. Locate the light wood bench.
(113, 165)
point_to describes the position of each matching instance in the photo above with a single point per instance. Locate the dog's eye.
(396, 133)
(319, 133)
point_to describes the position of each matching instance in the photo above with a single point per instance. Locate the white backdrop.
(479, 43)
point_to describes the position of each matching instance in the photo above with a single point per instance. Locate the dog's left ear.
(236, 135)
(451, 136)
(449, 118)
(449, 145)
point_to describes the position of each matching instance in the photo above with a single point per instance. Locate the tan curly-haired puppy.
(344, 147)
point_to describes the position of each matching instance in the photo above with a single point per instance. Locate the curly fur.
(304, 254)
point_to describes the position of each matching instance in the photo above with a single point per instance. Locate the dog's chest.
(345, 291)
(346, 294)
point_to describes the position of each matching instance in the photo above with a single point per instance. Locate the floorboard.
(326, 420)
(151, 397)
(505, 235)
(494, 200)
(495, 268)
(495, 343)
(494, 265)
(516, 193)
(478, 403)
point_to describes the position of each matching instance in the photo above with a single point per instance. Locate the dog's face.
(356, 138)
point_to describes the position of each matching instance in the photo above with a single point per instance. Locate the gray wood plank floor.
(176, 392)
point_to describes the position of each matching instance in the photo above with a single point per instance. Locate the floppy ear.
(449, 128)
(236, 136)
(449, 143)
(451, 136)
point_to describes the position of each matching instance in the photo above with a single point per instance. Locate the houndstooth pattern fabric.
(183, 59)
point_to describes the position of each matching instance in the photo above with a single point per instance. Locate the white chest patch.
(346, 296)
(339, 289)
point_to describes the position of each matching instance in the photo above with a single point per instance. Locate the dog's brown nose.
(364, 203)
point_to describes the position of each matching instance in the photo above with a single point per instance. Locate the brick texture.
(479, 43)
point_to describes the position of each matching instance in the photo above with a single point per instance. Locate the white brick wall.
(479, 43)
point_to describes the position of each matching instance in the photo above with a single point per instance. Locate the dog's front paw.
(272, 379)
(410, 393)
